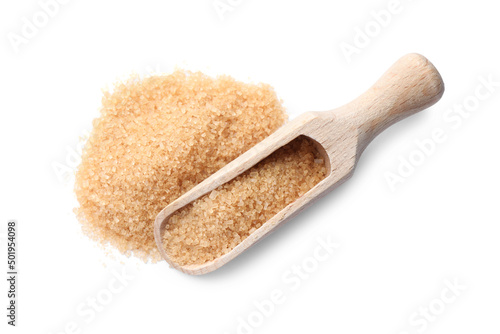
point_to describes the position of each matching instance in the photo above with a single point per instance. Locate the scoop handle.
(410, 85)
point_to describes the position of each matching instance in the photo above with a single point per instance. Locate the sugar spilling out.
(156, 138)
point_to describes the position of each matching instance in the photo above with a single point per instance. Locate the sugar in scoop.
(217, 222)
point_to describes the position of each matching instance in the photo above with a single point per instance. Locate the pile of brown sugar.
(155, 139)
(214, 224)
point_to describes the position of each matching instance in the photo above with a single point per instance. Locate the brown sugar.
(214, 224)
(155, 139)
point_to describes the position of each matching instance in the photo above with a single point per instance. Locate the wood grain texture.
(410, 85)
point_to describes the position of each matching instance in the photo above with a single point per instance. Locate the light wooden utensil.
(410, 85)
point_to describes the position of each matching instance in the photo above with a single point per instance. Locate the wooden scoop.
(410, 85)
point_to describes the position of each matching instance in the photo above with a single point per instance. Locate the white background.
(398, 246)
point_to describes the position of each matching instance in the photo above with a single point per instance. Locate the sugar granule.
(155, 139)
(214, 224)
